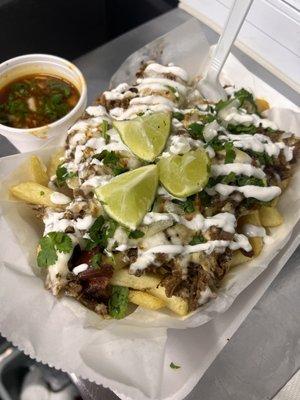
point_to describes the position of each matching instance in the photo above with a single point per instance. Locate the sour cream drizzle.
(157, 69)
(238, 169)
(260, 193)
(225, 221)
(148, 257)
(253, 230)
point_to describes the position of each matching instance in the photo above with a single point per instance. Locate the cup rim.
(49, 57)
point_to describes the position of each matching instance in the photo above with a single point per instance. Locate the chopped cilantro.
(119, 170)
(62, 175)
(42, 193)
(207, 118)
(263, 158)
(104, 129)
(100, 232)
(230, 178)
(240, 128)
(216, 144)
(234, 179)
(249, 180)
(118, 302)
(96, 260)
(171, 89)
(222, 104)
(174, 366)
(197, 240)
(50, 245)
(178, 116)
(187, 205)
(230, 153)
(246, 100)
(196, 130)
(112, 160)
(136, 234)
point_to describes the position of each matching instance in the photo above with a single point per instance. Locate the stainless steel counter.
(265, 351)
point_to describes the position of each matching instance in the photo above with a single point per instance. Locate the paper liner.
(129, 355)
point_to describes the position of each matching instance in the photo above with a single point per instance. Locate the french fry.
(123, 278)
(145, 300)
(38, 171)
(33, 193)
(270, 216)
(176, 304)
(262, 105)
(250, 218)
(55, 160)
(256, 242)
(238, 258)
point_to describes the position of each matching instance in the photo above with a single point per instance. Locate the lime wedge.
(128, 197)
(184, 175)
(146, 136)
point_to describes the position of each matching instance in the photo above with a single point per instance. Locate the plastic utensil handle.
(233, 24)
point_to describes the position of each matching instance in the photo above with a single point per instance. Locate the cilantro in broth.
(36, 100)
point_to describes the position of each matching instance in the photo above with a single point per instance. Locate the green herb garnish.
(196, 130)
(118, 302)
(187, 205)
(50, 244)
(198, 239)
(207, 118)
(263, 158)
(246, 101)
(174, 366)
(112, 160)
(222, 104)
(99, 233)
(179, 116)
(104, 129)
(216, 144)
(96, 260)
(136, 234)
(62, 174)
(230, 153)
(171, 89)
(239, 129)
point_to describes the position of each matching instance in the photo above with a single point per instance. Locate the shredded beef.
(110, 104)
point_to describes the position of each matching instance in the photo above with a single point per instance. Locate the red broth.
(36, 100)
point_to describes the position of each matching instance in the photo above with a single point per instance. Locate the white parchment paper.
(132, 356)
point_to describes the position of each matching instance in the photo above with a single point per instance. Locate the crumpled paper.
(132, 356)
